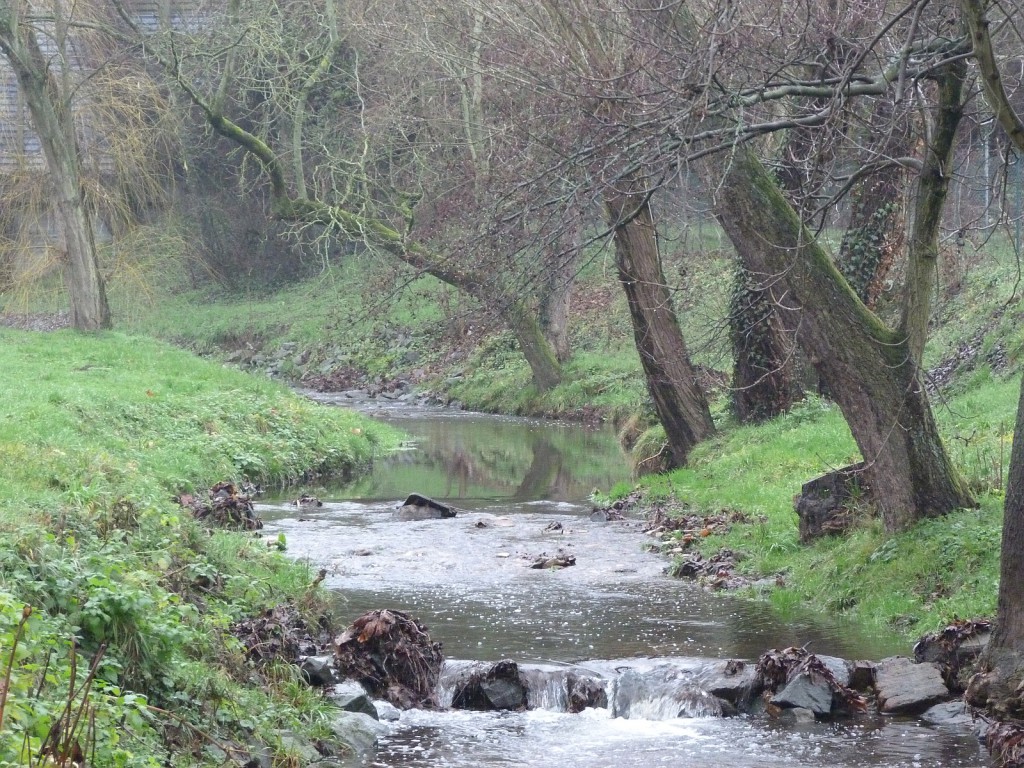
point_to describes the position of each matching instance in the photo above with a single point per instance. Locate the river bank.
(119, 603)
(526, 577)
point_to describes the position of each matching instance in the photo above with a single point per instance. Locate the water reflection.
(473, 459)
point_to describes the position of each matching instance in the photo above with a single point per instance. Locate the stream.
(521, 489)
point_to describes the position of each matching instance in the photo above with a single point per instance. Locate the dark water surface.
(469, 580)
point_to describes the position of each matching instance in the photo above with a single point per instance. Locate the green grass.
(97, 434)
(913, 582)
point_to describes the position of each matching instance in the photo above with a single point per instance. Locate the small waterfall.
(642, 692)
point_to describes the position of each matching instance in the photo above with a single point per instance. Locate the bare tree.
(46, 82)
(277, 80)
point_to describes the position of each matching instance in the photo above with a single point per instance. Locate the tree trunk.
(875, 233)
(671, 380)
(932, 187)
(997, 686)
(763, 381)
(1009, 631)
(54, 123)
(539, 354)
(556, 293)
(868, 368)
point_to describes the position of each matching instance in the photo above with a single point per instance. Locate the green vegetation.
(115, 605)
(976, 342)
(912, 582)
(99, 432)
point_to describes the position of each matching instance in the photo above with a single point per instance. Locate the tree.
(998, 685)
(282, 85)
(47, 85)
(586, 63)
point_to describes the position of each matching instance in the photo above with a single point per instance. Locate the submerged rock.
(417, 507)
(662, 693)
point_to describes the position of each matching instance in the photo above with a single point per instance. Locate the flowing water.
(521, 488)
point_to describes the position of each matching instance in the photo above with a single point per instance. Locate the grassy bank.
(911, 583)
(115, 605)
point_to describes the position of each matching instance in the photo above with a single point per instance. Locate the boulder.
(950, 714)
(387, 712)
(733, 680)
(350, 696)
(318, 671)
(841, 669)
(584, 693)
(417, 507)
(954, 648)
(495, 687)
(803, 680)
(823, 505)
(905, 687)
(807, 692)
(357, 730)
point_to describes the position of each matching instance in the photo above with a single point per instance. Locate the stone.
(584, 693)
(949, 713)
(417, 507)
(358, 731)
(841, 669)
(298, 748)
(905, 687)
(350, 696)
(495, 687)
(318, 671)
(732, 680)
(823, 505)
(387, 712)
(954, 648)
(806, 691)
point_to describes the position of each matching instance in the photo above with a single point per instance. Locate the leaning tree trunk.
(868, 368)
(671, 380)
(51, 116)
(538, 351)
